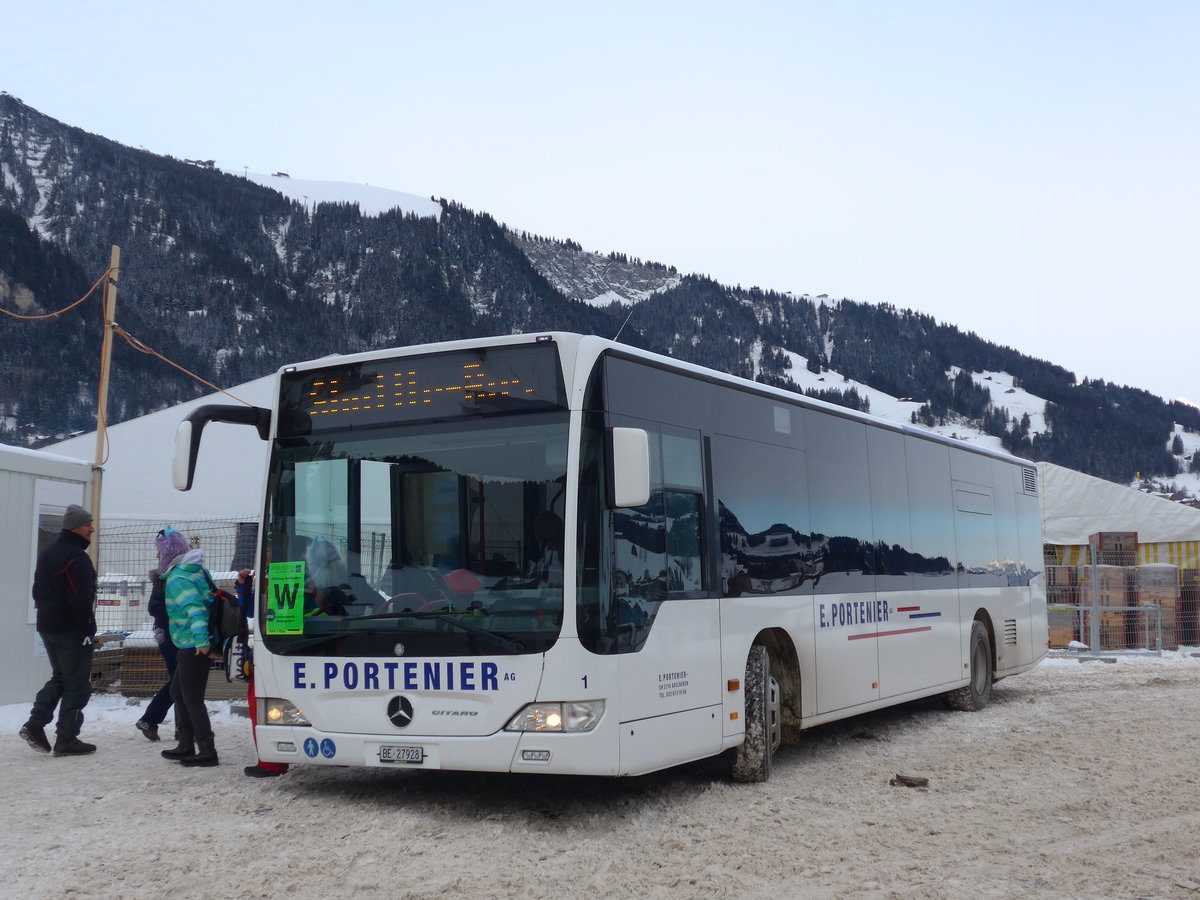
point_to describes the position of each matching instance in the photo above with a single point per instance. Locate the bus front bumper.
(591, 753)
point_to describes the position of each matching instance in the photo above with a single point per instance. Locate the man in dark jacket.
(64, 592)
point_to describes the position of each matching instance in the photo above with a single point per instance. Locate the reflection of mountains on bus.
(895, 560)
(1007, 572)
(781, 558)
(644, 526)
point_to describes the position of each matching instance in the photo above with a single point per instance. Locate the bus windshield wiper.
(314, 641)
(511, 645)
(304, 643)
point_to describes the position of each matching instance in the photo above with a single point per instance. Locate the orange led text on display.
(406, 389)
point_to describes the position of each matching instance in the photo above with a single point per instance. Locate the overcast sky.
(1028, 170)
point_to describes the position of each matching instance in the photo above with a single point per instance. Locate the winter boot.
(205, 755)
(185, 748)
(150, 731)
(72, 746)
(35, 736)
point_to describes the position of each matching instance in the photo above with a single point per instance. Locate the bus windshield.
(440, 539)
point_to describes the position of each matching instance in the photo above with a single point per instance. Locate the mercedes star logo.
(400, 711)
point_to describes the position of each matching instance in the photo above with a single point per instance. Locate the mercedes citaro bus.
(554, 553)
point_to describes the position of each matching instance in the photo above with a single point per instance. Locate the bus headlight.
(283, 712)
(573, 717)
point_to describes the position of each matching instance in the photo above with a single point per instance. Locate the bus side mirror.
(630, 467)
(183, 466)
(187, 435)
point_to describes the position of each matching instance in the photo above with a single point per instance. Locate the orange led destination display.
(461, 383)
(402, 389)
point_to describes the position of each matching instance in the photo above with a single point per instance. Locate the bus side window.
(639, 533)
(683, 478)
(762, 511)
(684, 570)
(658, 545)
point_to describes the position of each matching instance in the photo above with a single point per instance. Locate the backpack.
(226, 618)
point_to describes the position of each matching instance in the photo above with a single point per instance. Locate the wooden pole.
(110, 308)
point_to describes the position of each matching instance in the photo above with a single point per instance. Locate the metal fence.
(1108, 608)
(127, 660)
(1109, 628)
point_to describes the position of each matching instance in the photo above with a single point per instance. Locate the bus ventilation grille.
(1030, 476)
(1010, 632)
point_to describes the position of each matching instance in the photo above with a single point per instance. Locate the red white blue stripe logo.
(911, 613)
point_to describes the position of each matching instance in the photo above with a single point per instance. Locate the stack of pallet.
(1189, 607)
(1112, 587)
(1159, 585)
(1122, 592)
(1062, 589)
(1114, 548)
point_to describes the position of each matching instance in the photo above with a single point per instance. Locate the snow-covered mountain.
(1004, 391)
(593, 278)
(371, 200)
(232, 276)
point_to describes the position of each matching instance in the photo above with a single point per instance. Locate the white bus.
(555, 553)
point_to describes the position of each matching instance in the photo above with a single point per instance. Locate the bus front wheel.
(978, 691)
(763, 726)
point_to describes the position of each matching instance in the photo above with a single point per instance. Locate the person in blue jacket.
(188, 598)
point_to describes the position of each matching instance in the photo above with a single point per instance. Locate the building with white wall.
(36, 488)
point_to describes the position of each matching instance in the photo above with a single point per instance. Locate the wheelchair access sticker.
(327, 748)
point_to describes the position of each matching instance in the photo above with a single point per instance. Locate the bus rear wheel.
(763, 725)
(978, 691)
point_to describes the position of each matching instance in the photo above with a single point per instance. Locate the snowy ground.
(1079, 780)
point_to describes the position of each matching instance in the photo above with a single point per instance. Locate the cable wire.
(65, 309)
(133, 342)
(142, 347)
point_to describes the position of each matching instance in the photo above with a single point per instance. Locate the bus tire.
(752, 762)
(976, 694)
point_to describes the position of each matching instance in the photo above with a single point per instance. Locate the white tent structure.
(230, 472)
(1076, 506)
